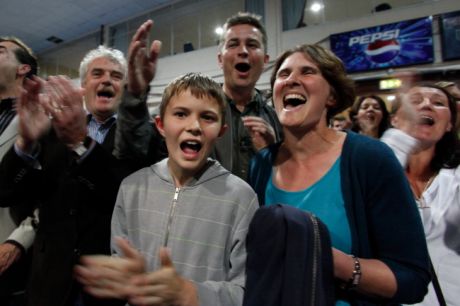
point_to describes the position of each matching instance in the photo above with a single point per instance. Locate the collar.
(254, 103)
(107, 121)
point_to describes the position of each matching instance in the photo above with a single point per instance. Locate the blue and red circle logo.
(382, 51)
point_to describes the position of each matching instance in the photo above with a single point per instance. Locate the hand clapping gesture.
(125, 278)
(142, 63)
(65, 106)
(57, 103)
(33, 119)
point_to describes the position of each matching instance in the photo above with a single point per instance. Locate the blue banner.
(398, 44)
(450, 35)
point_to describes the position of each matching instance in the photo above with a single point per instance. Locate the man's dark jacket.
(76, 203)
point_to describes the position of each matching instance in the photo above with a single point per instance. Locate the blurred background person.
(339, 123)
(427, 144)
(17, 64)
(454, 91)
(370, 116)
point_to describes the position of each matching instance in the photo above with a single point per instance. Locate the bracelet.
(353, 282)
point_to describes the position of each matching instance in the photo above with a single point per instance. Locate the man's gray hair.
(113, 55)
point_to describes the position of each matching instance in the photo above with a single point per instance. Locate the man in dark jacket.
(63, 158)
(17, 63)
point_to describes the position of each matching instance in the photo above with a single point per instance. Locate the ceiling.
(34, 21)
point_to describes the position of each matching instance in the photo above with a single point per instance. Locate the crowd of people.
(100, 205)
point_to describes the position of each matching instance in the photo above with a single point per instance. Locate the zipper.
(316, 255)
(171, 215)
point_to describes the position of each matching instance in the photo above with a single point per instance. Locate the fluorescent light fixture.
(391, 98)
(316, 7)
(219, 30)
(390, 84)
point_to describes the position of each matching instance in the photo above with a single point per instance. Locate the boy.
(187, 203)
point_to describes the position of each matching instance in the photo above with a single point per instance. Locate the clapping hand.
(109, 276)
(65, 107)
(142, 63)
(33, 119)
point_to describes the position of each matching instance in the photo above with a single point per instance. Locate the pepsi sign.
(391, 45)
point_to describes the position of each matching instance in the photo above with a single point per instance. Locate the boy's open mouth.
(190, 146)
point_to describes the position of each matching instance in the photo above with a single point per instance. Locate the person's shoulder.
(451, 172)
(147, 172)
(364, 154)
(233, 184)
(267, 154)
(365, 146)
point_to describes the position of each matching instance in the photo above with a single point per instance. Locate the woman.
(370, 116)
(425, 118)
(354, 184)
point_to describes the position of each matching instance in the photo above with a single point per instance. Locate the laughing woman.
(370, 116)
(354, 184)
(433, 170)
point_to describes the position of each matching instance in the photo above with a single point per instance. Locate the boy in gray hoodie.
(185, 218)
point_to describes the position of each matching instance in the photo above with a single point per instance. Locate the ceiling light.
(316, 7)
(219, 30)
(391, 98)
(390, 84)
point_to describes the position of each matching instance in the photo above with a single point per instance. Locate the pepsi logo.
(382, 51)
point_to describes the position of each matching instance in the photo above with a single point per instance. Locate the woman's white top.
(439, 207)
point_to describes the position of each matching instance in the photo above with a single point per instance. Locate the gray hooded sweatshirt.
(204, 224)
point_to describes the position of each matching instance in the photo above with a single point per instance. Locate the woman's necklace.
(418, 191)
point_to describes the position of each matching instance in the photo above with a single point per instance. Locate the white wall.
(205, 60)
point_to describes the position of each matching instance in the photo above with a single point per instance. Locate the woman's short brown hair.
(332, 69)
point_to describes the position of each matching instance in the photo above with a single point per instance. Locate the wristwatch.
(83, 146)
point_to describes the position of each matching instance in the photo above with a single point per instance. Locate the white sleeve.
(24, 234)
(401, 143)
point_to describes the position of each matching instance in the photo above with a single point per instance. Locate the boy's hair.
(244, 18)
(23, 54)
(113, 55)
(199, 85)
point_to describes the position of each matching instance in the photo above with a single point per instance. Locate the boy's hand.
(163, 287)
(110, 277)
(142, 64)
(262, 133)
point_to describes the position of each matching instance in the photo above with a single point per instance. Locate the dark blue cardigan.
(384, 220)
